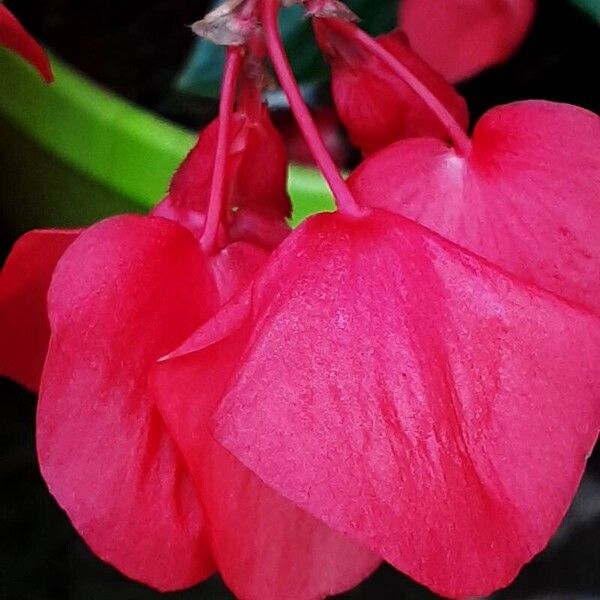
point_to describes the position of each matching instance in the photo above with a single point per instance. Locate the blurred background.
(54, 171)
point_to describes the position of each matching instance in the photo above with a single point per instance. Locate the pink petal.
(234, 268)
(24, 283)
(186, 217)
(14, 37)
(527, 198)
(377, 107)
(261, 183)
(257, 168)
(257, 199)
(259, 229)
(460, 38)
(415, 398)
(190, 185)
(265, 547)
(127, 291)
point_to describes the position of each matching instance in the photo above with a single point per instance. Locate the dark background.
(136, 48)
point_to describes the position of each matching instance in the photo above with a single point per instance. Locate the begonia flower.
(124, 293)
(524, 195)
(254, 223)
(460, 38)
(404, 391)
(375, 106)
(15, 37)
(290, 409)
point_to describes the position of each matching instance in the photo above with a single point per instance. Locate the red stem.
(343, 196)
(233, 61)
(460, 139)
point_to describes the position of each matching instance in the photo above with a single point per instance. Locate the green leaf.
(201, 74)
(591, 7)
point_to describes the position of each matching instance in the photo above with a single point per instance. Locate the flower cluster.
(413, 378)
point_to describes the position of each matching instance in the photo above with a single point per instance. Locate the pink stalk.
(460, 139)
(219, 184)
(343, 197)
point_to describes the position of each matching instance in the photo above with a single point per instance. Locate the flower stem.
(219, 184)
(343, 197)
(460, 139)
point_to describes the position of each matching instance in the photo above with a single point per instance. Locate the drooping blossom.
(253, 224)
(257, 200)
(375, 106)
(460, 38)
(524, 195)
(407, 392)
(125, 292)
(372, 392)
(14, 37)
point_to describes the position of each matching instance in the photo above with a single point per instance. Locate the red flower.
(376, 106)
(460, 38)
(125, 292)
(24, 282)
(374, 391)
(253, 224)
(525, 196)
(400, 389)
(14, 37)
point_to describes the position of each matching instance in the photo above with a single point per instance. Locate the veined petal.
(526, 198)
(265, 547)
(127, 291)
(376, 107)
(415, 398)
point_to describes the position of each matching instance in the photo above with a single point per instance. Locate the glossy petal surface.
(265, 547)
(126, 292)
(376, 106)
(460, 38)
(14, 37)
(527, 198)
(24, 283)
(415, 398)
